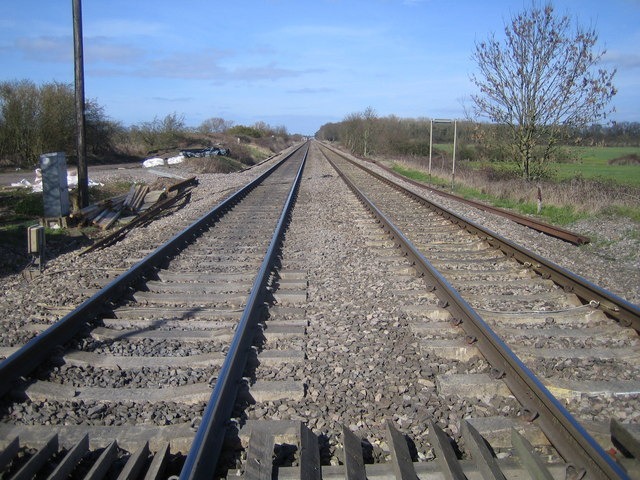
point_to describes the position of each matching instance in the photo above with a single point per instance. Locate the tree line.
(364, 133)
(36, 119)
(39, 119)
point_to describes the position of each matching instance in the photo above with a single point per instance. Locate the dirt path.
(7, 178)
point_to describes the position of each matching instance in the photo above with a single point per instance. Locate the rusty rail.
(532, 223)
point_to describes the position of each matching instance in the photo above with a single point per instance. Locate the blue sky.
(298, 63)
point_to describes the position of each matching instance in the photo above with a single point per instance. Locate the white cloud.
(46, 48)
(204, 65)
(624, 60)
(101, 50)
(60, 49)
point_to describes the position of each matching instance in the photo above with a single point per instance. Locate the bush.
(564, 155)
(36, 119)
(418, 147)
(467, 152)
(246, 131)
(161, 133)
(213, 165)
(631, 159)
(20, 205)
(242, 154)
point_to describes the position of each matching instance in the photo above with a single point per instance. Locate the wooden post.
(83, 177)
(453, 168)
(539, 200)
(430, 147)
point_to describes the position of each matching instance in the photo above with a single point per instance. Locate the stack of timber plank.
(106, 212)
(154, 203)
(135, 197)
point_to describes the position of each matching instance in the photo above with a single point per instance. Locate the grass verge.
(560, 215)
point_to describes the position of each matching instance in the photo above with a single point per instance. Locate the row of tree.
(36, 119)
(365, 133)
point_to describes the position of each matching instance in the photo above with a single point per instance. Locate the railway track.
(146, 368)
(547, 325)
(352, 352)
(538, 225)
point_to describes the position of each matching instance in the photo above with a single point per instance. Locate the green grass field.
(594, 164)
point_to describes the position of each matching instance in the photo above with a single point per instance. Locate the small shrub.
(467, 152)
(564, 155)
(213, 164)
(242, 154)
(246, 131)
(30, 205)
(499, 172)
(631, 159)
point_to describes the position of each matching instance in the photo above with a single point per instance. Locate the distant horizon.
(286, 63)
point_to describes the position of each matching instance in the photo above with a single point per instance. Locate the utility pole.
(81, 146)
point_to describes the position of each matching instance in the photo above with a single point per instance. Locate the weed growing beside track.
(563, 202)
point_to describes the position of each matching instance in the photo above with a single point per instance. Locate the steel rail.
(563, 431)
(532, 223)
(205, 450)
(38, 349)
(625, 312)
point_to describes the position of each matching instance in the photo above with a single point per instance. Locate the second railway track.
(353, 352)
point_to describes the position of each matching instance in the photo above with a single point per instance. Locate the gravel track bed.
(341, 306)
(612, 261)
(563, 343)
(358, 335)
(15, 338)
(534, 304)
(595, 409)
(153, 348)
(98, 413)
(505, 290)
(67, 273)
(586, 369)
(145, 377)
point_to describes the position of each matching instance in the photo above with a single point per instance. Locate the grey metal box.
(54, 184)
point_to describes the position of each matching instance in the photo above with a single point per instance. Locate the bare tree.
(162, 132)
(358, 130)
(215, 124)
(369, 116)
(542, 78)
